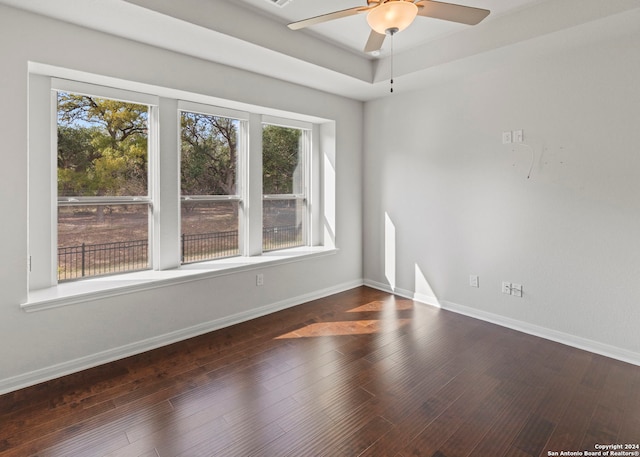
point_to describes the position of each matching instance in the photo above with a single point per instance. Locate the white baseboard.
(83, 363)
(524, 327)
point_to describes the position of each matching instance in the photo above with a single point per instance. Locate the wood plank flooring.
(360, 373)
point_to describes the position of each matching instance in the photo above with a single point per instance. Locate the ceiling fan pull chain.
(392, 32)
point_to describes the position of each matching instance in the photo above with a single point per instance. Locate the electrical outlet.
(474, 281)
(516, 290)
(506, 287)
(259, 279)
(506, 137)
(518, 136)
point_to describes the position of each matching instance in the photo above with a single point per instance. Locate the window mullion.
(314, 189)
(165, 152)
(307, 229)
(253, 188)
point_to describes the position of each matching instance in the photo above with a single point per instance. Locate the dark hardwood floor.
(361, 373)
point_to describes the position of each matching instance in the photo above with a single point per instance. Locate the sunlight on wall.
(328, 148)
(329, 200)
(389, 251)
(422, 289)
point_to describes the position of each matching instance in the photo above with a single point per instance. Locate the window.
(122, 181)
(102, 185)
(284, 158)
(210, 146)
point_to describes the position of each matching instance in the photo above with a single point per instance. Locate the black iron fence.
(281, 237)
(100, 259)
(204, 246)
(107, 258)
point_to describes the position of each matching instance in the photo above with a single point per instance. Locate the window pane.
(102, 239)
(102, 147)
(282, 162)
(209, 159)
(208, 167)
(283, 173)
(282, 224)
(102, 152)
(209, 230)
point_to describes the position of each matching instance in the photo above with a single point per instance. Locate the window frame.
(64, 86)
(240, 196)
(44, 268)
(306, 145)
(43, 290)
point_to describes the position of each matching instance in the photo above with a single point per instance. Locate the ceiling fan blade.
(374, 43)
(327, 17)
(451, 12)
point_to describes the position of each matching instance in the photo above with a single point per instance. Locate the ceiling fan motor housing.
(396, 14)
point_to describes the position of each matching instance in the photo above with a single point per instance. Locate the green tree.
(208, 154)
(280, 159)
(102, 146)
(76, 154)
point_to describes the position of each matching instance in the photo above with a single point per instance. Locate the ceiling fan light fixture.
(393, 14)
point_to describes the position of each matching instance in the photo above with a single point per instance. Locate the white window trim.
(96, 90)
(45, 293)
(212, 110)
(43, 201)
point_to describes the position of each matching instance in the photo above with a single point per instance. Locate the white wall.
(458, 202)
(42, 344)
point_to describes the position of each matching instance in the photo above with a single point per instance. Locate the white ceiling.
(252, 35)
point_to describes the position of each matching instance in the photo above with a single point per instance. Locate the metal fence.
(204, 246)
(281, 237)
(107, 258)
(100, 259)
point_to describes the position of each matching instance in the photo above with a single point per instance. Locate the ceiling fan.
(387, 17)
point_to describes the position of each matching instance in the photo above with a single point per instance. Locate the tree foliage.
(102, 151)
(281, 159)
(208, 154)
(102, 147)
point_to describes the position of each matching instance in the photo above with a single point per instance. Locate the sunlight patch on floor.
(379, 306)
(343, 328)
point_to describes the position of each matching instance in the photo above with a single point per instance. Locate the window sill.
(109, 286)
